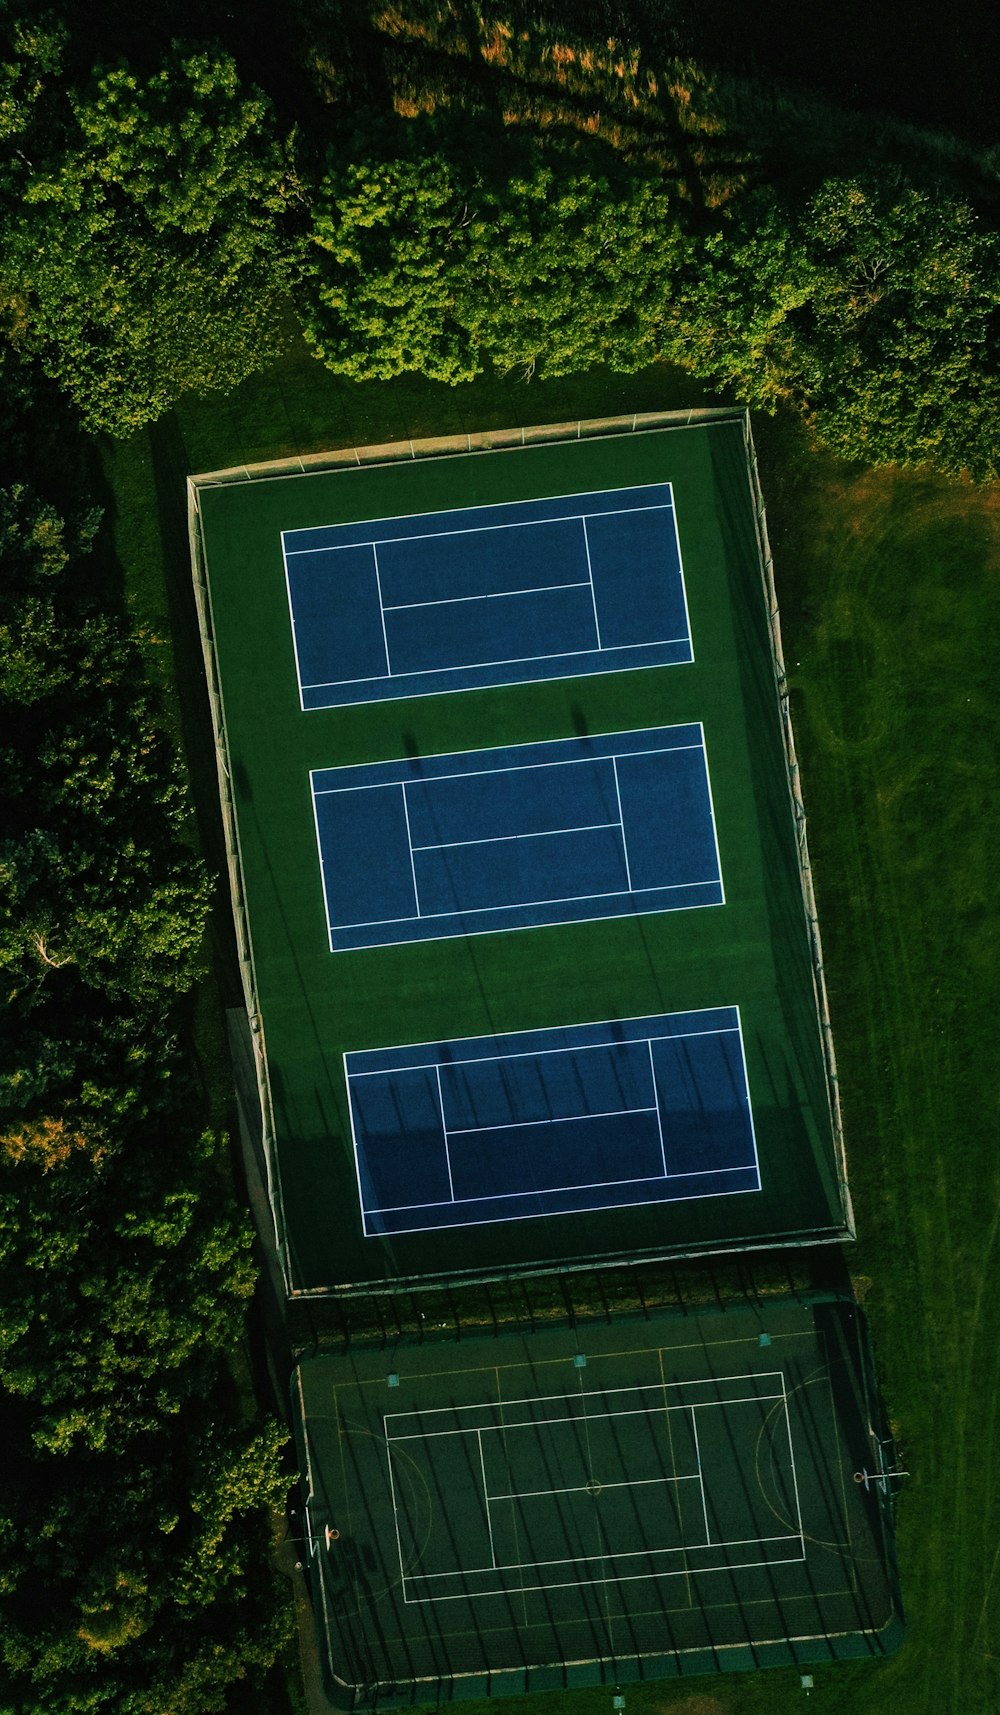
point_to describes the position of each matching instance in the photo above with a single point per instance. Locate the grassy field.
(887, 586)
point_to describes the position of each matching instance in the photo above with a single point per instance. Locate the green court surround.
(309, 1006)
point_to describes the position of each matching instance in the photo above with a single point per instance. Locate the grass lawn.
(887, 588)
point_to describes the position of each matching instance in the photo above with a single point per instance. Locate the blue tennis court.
(552, 1122)
(486, 595)
(516, 837)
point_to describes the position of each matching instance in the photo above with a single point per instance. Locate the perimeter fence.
(486, 442)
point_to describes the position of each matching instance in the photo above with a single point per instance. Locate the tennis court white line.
(291, 618)
(791, 1455)
(656, 1106)
(578, 1048)
(491, 1220)
(511, 1196)
(469, 529)
(652, 1410)
(583, 1489)
(574, 1398)
(522, 1589)
(554, 1191)
(413, 867)
(357, 1160)
(381, 611)
(746, 1088)
(621, 1554)
(540, 501)
(322, 867)
(588, 1024)
(711, 811)
(500, 661)
(520, 905)
(546, 744)
(539, 1053)
(504, 768)
(621, 820)
(527, 904)
(395, 1511)
(603, 1558)
(489, 595)
(585, 1048)
(486, 1499)
(447, 1155)
(498, 839)
(590, 575)
(529, 500)
(557, 1190)
(701, 1481)
(555, 1119)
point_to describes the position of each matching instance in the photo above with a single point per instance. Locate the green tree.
(94, 870)
(121, 1293)
(419, 263)
(875, 308)
(32, 59)
(130, 917)
(143, 254)
(384, 250)
(192, 149)
(237, 1476)
(111, 1543)
(728, 314)
(905, 326)
(564, 270)
(134, 1552)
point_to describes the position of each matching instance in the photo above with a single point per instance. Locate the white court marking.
(585, 1419)
(445, 777)
(580, 1049)
(383, 540)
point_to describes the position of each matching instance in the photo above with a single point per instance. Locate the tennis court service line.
(507, 839)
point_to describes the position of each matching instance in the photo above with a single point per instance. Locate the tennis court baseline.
(547, 1122)
(515, 837)
(486, 595)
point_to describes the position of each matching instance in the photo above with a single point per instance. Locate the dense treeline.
(429, 187)
(133, 1507)
(464, 195)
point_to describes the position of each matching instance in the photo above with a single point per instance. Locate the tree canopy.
(142, 245)
(137, 1488)
(159, 230)
(875, 309)
(414, 262)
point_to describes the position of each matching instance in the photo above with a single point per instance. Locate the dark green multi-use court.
(667, 1496)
